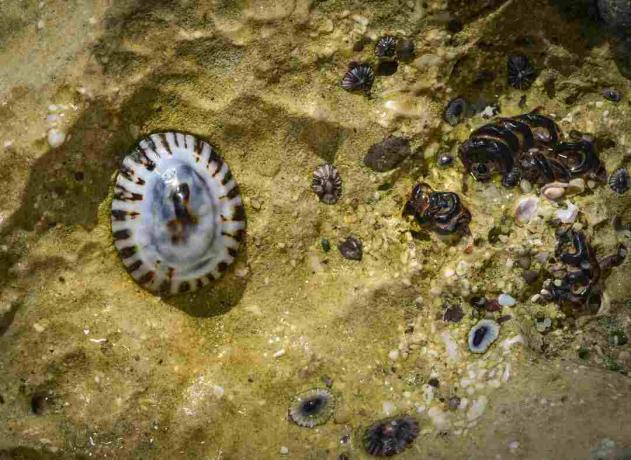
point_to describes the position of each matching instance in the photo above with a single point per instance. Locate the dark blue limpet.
(327, 184)
(482, 335)
(521, 73)
(612, 94)
(351, 248)
(390, 436)
(359, 77)
(311, 408)
(455, 111)
(619, 181)
(386, 47)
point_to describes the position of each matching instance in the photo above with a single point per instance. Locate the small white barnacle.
(327, 184)
(177, 215)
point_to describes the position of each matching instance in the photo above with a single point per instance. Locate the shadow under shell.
(177, 215)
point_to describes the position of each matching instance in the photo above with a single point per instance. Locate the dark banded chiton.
(442, 212)
(177, 215)
(580, 273)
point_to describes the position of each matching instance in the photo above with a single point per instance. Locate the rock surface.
(92, 366)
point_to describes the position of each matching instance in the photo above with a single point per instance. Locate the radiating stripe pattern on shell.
(177, 215)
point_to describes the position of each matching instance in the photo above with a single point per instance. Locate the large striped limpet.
(177, 216)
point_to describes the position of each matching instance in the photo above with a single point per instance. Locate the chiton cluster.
(528, 146)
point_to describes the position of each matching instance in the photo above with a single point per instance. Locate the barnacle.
(521, 73)
(358, 77)
(327, 184)
(351, 248)
(619, 181)
(386, 47)
(455, 111)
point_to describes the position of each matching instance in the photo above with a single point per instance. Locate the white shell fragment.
(526, 209)
(55, 137)
(177, 216)
(506, 300)
(569, 214)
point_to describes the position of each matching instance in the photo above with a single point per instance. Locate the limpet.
(177, 215)
(311, 408)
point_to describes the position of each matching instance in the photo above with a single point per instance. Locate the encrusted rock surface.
(93, 366)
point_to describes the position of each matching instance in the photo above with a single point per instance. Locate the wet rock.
(388, 154)
(616, 14)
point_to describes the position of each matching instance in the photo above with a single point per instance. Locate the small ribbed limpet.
(177, 216)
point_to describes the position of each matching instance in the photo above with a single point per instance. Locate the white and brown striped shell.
(177, 216)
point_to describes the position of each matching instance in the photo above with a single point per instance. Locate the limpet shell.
(177, 216)
(312, 408)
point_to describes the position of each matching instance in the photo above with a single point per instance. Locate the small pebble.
(453, 314)
(530, 276)
(506, 300)
(524, 262)
(525, 186)
(56, 137)
(612, 94)
(453, 403)
(351, 248)
(284, 450)
(445, 160)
